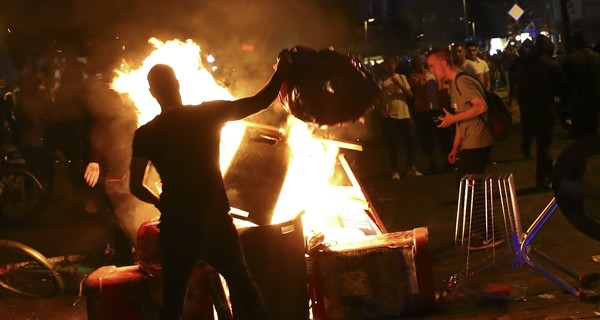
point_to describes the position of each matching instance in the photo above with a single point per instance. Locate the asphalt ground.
(62, 227)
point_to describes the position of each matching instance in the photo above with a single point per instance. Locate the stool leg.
(525, 249)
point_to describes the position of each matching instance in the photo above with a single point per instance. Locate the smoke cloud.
(244, 37)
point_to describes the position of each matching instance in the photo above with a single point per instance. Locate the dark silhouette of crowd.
(60, 113)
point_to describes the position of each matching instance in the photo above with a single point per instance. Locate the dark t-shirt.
(183, 145)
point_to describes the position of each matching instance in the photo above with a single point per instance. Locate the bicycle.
(25, 271)
(21, 193)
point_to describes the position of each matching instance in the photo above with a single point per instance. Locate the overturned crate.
(381, 276)
(487, 237)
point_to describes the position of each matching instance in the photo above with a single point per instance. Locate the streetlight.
(473, 29)
(366, 25)
(464, 3)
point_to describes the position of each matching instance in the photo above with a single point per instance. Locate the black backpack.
(499, 117)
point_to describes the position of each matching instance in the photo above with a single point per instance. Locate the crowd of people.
(550, 88)
(67, 111)
(62, 113)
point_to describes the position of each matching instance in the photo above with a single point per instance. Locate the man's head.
(440, 64)
(164, 85)
(459, 53)
(472, 51)
(544, 46)
(391, 63)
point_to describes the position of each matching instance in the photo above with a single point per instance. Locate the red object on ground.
(199, 302)
(500, 289)
(327, 87)
(134, 292)
(148, 249)
(118, 293)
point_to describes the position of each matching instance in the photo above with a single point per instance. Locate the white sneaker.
(395, 176)
(413, 172)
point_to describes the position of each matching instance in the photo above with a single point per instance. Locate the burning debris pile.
(272, 174)
(294, 193)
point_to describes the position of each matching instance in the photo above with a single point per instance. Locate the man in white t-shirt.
(396, 122)
(483, 70)
(459, 57)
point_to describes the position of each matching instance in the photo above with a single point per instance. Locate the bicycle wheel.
(576, 175)
(20, 195)
(25, 271)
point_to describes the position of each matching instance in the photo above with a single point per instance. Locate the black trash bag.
(326, 87)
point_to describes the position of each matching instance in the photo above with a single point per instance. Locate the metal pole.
(566, 25)
(464, 3)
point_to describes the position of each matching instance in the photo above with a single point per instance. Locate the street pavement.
(62, 227)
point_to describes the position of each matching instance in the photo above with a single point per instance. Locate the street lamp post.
(473, 30)
(366, 26)
(464, 3)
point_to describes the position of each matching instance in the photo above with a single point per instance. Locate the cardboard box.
(380, 276)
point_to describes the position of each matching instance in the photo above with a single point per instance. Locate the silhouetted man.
(183, 145)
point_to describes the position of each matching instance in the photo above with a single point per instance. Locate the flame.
(328, 208)
(196, 86)
(308, 187)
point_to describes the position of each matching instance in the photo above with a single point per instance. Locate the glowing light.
(197, 86)
(309, 187)
(525, 36)
(497, 44)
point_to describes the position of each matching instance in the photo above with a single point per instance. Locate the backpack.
(499, 117)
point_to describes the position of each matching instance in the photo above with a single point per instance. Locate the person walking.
(183, 145)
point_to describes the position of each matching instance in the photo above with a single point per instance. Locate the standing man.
(397, 124)
(459, 56)
(183, 144)
(473, 139)
(582, 69)
(540, 89)
(483, 69)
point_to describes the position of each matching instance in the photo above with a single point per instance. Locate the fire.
(197, 85)
(308, 187)
(309, 172)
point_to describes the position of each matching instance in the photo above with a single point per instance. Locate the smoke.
(245, 38)
(121, 28)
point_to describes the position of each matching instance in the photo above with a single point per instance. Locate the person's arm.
(455, 147)
(478, 107)
(401, 82)
(481, 77)
(487, 83)
(138, 169)
(244, 107)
